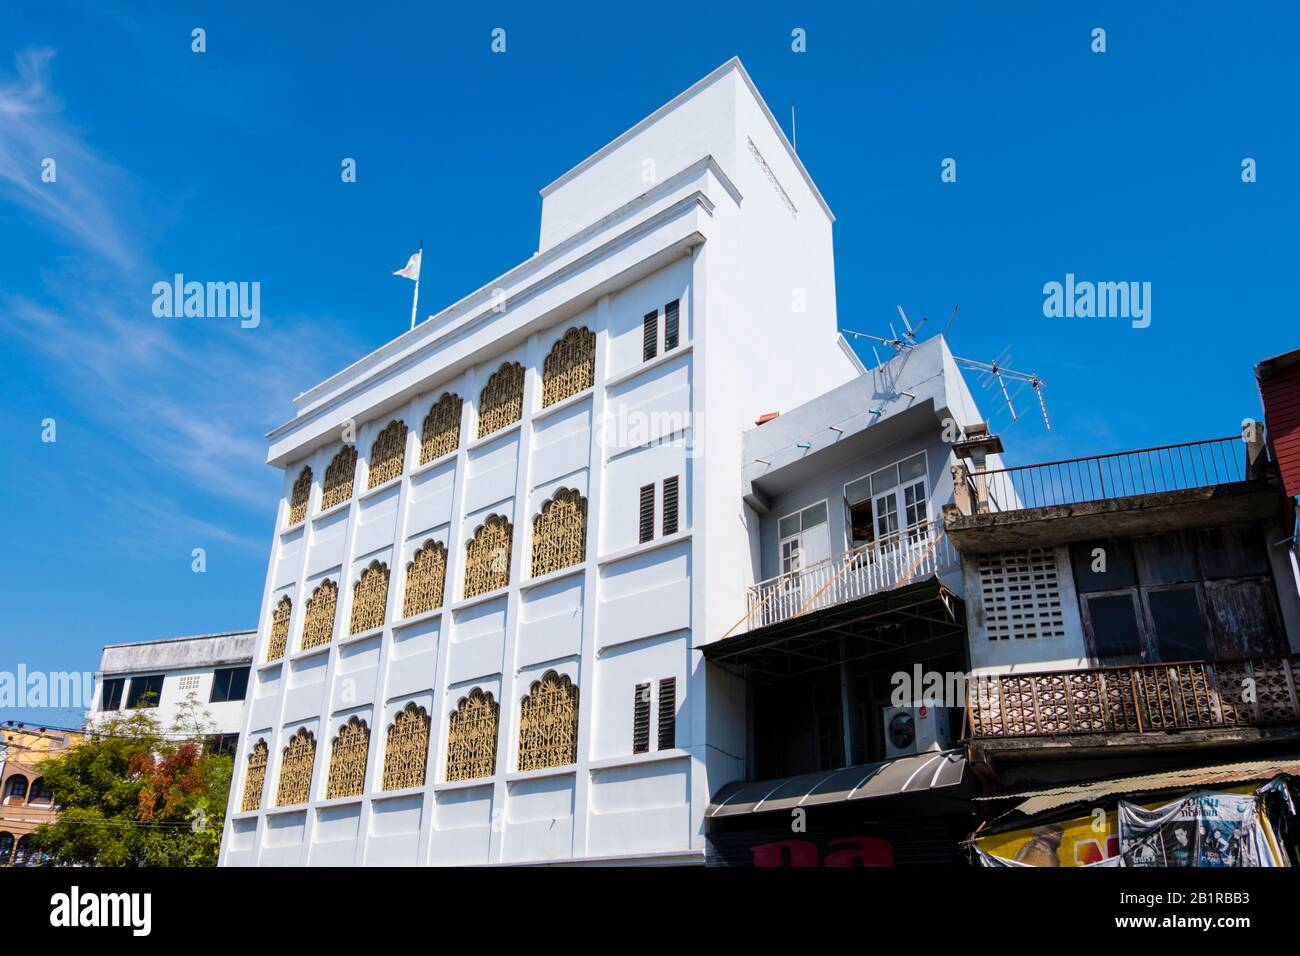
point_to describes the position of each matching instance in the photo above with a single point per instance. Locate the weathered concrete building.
(161, 676)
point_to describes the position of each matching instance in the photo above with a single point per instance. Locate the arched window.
(318, 628)
(347, 776)
(548, 723)
(570, 367)
(339, 475)
(472, 737)
(501, 402)
(407, 749)
(6, 847)
(279, 629)
(425, 576)
(487, 557)
(41, 792)
(295, 769)
(441, 434)
(24, 855)
(298, 498)
(388, 454)
(560, 532)
(369, 596)
(254, 777)
(16, 789)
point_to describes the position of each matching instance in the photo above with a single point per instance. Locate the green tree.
(134, 794)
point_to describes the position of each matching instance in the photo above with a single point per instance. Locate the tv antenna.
(996, 375)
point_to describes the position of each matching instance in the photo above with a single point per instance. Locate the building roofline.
(732, 64)
(189, 637)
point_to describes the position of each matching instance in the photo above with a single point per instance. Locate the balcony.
(1144, 704)
(884, 565)
(1218, 481)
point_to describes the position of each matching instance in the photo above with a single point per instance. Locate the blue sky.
(225, 165)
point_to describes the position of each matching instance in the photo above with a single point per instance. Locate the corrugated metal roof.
(1187, 777)
(1279, 389)
(917, 773)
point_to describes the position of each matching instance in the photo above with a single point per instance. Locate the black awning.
(918, 774)
(899, 620)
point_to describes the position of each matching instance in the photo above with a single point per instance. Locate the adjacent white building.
(161, 676)
(505, 534)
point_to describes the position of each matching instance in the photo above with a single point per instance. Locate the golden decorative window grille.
(369, 597)
(560, 532)
(348, 760)
(339, 475)
(472, 737)
(279, 629)
(501, 402)
(407, 749)
(295, 769)
(441, 435)
(425, 577)
(388, 454)
(298, 498)
(319, 626)
(570, 367)
(254, 777)
(487, 557)
(548, 723)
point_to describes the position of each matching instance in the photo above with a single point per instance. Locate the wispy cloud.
(194, 396)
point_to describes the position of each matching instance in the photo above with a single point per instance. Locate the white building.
(480, 628)
(162, 675)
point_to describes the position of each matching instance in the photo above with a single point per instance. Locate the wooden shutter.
(650, 336)
(647, 512)
(670, 505)
(667, 713)
(641, 720)
(670, 325)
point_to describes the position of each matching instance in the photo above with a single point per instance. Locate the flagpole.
(415, 298)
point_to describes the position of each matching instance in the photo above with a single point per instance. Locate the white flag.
(412, 270)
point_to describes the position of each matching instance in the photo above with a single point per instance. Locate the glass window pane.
(913, 467)
(788, 526)
(884, 479)
(814, 516)
(1115, 632)
(858, 491)
(1180, 628)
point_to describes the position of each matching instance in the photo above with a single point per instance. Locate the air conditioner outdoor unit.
(915, 729)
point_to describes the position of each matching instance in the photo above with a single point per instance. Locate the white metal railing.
(877, 566)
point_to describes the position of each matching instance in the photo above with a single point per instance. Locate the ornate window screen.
(487, 557)
(548, 723)
(254, 777)
(339, 475)
(369, 597)
(425, 578)
(570, 367)
(348, 760)
(501, 402)
(295, 769)
(1021, 594)
(407, 748)
(279, 629)
(298, 498)
(472, 737)
(319, 626)
(441, 435)
(388, 454)
(560, 532)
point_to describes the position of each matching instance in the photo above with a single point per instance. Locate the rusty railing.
(1198, 464)
(1145, 698)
